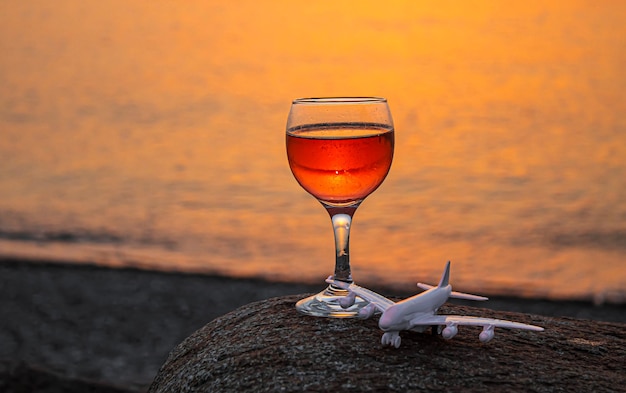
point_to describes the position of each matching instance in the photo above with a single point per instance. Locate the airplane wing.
(473, 321)
(379, 301)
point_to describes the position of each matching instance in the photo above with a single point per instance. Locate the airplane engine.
(449, 332)
(347, 301)
(367, 311)
(486, 335)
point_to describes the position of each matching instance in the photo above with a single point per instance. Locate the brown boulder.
(267, 346)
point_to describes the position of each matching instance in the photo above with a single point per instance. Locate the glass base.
(326, 304)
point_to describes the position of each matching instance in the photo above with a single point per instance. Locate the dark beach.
(117, 326)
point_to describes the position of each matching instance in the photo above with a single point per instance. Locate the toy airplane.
(419, 312)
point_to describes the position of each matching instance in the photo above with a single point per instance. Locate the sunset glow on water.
(152, 134)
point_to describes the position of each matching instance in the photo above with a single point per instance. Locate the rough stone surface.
(267, 346)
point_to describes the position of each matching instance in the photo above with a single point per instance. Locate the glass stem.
(342, 220)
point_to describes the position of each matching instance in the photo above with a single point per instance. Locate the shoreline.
(574, 308)
(118, 324)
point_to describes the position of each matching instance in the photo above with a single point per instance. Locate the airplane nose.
(389, 319)
(384, 323)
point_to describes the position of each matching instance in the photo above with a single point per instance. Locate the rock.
(268, 346)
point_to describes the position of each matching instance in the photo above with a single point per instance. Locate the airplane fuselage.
(403, 314)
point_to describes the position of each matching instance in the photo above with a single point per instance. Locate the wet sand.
(118, 325)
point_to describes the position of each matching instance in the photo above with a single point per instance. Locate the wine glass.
(340, 150)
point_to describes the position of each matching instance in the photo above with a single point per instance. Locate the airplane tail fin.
(445, 281)
(445, 278)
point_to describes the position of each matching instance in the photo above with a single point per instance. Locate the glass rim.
(339, 100)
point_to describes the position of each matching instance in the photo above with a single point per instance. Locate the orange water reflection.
(162, 124)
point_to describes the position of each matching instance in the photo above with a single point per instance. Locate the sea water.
(152, 134)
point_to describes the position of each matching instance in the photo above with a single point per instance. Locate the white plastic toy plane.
(419, 312)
